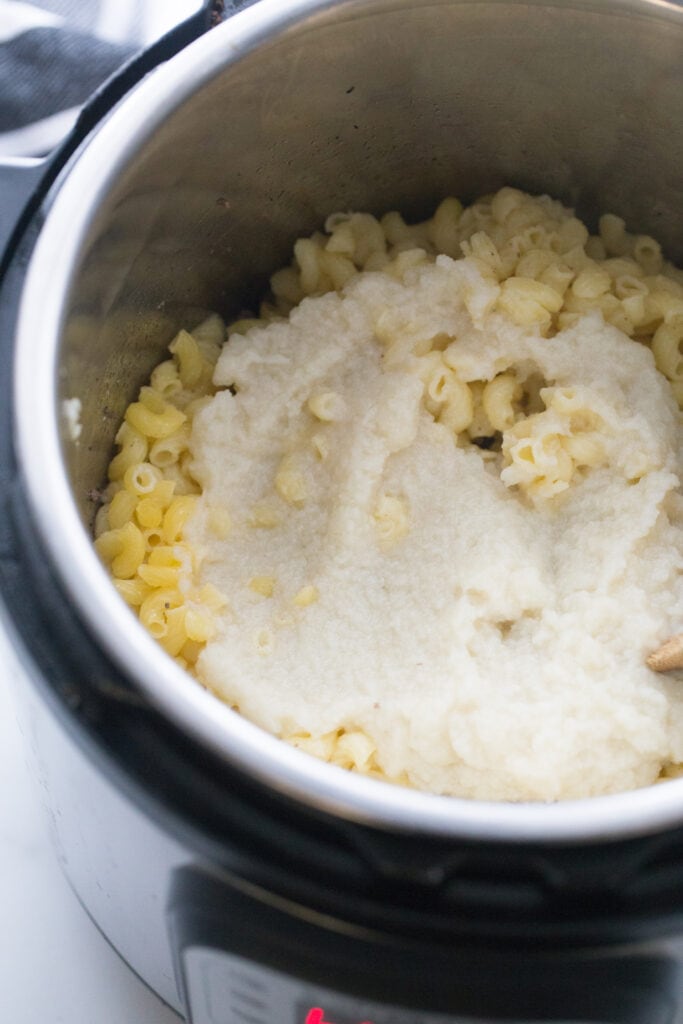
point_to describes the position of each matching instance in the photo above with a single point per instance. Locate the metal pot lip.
(233, 738)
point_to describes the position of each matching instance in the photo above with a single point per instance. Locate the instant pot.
(246, 882)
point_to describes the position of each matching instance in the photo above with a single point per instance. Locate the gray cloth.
(55, 53)
(67, 65)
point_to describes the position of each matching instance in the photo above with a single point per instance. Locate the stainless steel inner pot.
(193, 191)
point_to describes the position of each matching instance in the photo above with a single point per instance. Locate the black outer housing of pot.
(512, 931)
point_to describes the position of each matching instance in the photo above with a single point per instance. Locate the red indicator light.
(317, 1016)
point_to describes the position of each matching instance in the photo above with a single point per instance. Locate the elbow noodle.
(210, 335)
(405, 260)
(591, 282)
(263, 517)
(628, 285)
(141, 478)
(557, 276)
(664, 305)
(154, 423)
(319, 746)
(458, 409)
(159, 575)
(572, 233)
(132, 591)
(635, 309)
(167, 555)
(290, 482)
(165, 379)
(155, 608)
(528, 302)
(124, 549)
(262, 585)
(666, 348)
(175, 633)
(613, 234)
(368, 237)
(121, 509)
(284, 285)
(338, 268)
(306, 253)
(497, 400)
(212, 598)
(483, 248)
(327, 406)
(163, 493)
(246, 324)
(220, 522)
(391, 519)
(648, 253)
(354, 750)
(505, 202)
(102, 524)
(439, 381)
(168, 450)
(175, 517)
(199, 625)
(444, 230)
(377, 261)
(534, 262)
(189, 653)
(148, 513)
(152, 538)
(133, 451)
(341, 240)
(584, 450)
(190, 360)
(395, 228)
(306, 596)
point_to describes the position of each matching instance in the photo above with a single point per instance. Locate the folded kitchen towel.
(55, 53)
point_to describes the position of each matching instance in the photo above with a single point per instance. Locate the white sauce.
(489, 645)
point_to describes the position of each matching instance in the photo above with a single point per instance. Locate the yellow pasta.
(133, 591)
(457, 411)
(539, 266)
(667, 345)
(134, 447)
(528, 302)
(141, 478)
(290, 482)
(121, 509)
(152, 416)
(123, 549)
(190, 361)
(498, 398)
(327, 406)
(306, 596)
(167, 450)
(591, 282)
(391, 519)
(175, 517)
(165, 379)
(263, 585)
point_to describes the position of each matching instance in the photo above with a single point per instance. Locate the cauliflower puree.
(442, 516)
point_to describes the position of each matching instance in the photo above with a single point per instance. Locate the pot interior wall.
(371, 105)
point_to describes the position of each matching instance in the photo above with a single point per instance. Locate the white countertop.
(55, 966)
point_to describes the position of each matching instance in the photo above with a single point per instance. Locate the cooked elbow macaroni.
(140, 527)
(440, 376)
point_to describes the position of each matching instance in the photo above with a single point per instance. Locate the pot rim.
(273, 762)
